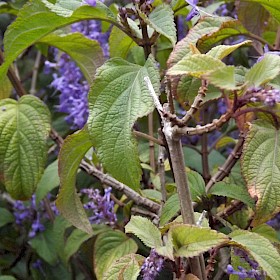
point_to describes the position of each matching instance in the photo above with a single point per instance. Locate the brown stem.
(225, 169)
(161, 172)
(35, 73)
(151, 143)
(258, 38)
(204, 151)
(148, 137)
(49, 209)
(277, 40)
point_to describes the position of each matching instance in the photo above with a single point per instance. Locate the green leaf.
(228, 28)
(170, 209)
(222, 51)
(272, 6)
(145, 230)
(49, 244)
(260, 165)
(119, 43)
(118, 97)
(87, 53)
(260, 249)
(68, 202)
(204, 27)
(195, 65)
(6, 217)
(127, 267)
(6, 8)
(266, 231)
(48, 182)
(5, 88)
(224, 141)
(238, 192)
(152, 194)
(7, 277)
(190, 241)
(264, 71)
(109, 247)
(24, 127)
(162, 20)
(196, 185)
(35, 21)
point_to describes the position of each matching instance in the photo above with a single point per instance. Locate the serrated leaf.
(260, 165)
(222, 51)
(85, 52)
(48, 182)
(260, 249)
(119, 43)
(35, 21)
(190, 241)
(228, 28)
(152, 194)
(127, 267)
(238, 192)
(145, 230)
(68, 202)
(204, 27)
(162, 20)
(266, 231)
(196, 185)
(169, 209)
(24, 127)
(118, 97)
(6, 217)
(109, 247)
(195, 65)
(264, 71)
(272, 6)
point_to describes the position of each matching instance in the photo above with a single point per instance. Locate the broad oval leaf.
(87, 53)
(118, 97)
(24, 127)
(195, 65)
(35, 21)
(261, 250)
(264, 71)
(170, 208)
(127, 267)
(145, 230)
(260, 164)
(6, 217)
(109, 247)
(162, 20)
(68, 202)
(190, 241)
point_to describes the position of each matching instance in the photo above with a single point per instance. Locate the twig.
(144, 212)
(234, 206)
(148, 137)
(110, 181)
(35, 73)
(225, 169)
(277, 40)
(161, 172)
(204, 150)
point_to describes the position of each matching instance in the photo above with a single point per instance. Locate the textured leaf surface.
(233, 191)
(196, 185)
(24, 127)
(267, 231)
(68, 202)
(260, 249)
(35, 21)
(85, 52)
(162, 20)
(204, 27)
(5, 88)
(120, 43)
(195, 65)
(190, 241)
(127, 267)
(145, 230)
(118, 97)
(48, 182)
(109, 247)
(264, 71)
(260, 165)
(222, 51)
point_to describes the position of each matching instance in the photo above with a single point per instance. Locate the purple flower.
(194, 11)
(102, 207)
(267, 51)
(152, 265)
(90, 2)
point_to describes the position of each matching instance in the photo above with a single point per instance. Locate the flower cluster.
(152, 265)
(32, 215)
(268, 96)
(70, 81)
(242, 273)
(102, 207)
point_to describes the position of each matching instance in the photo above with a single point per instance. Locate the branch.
(225, 169)
(148, 137)
(35, 73)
